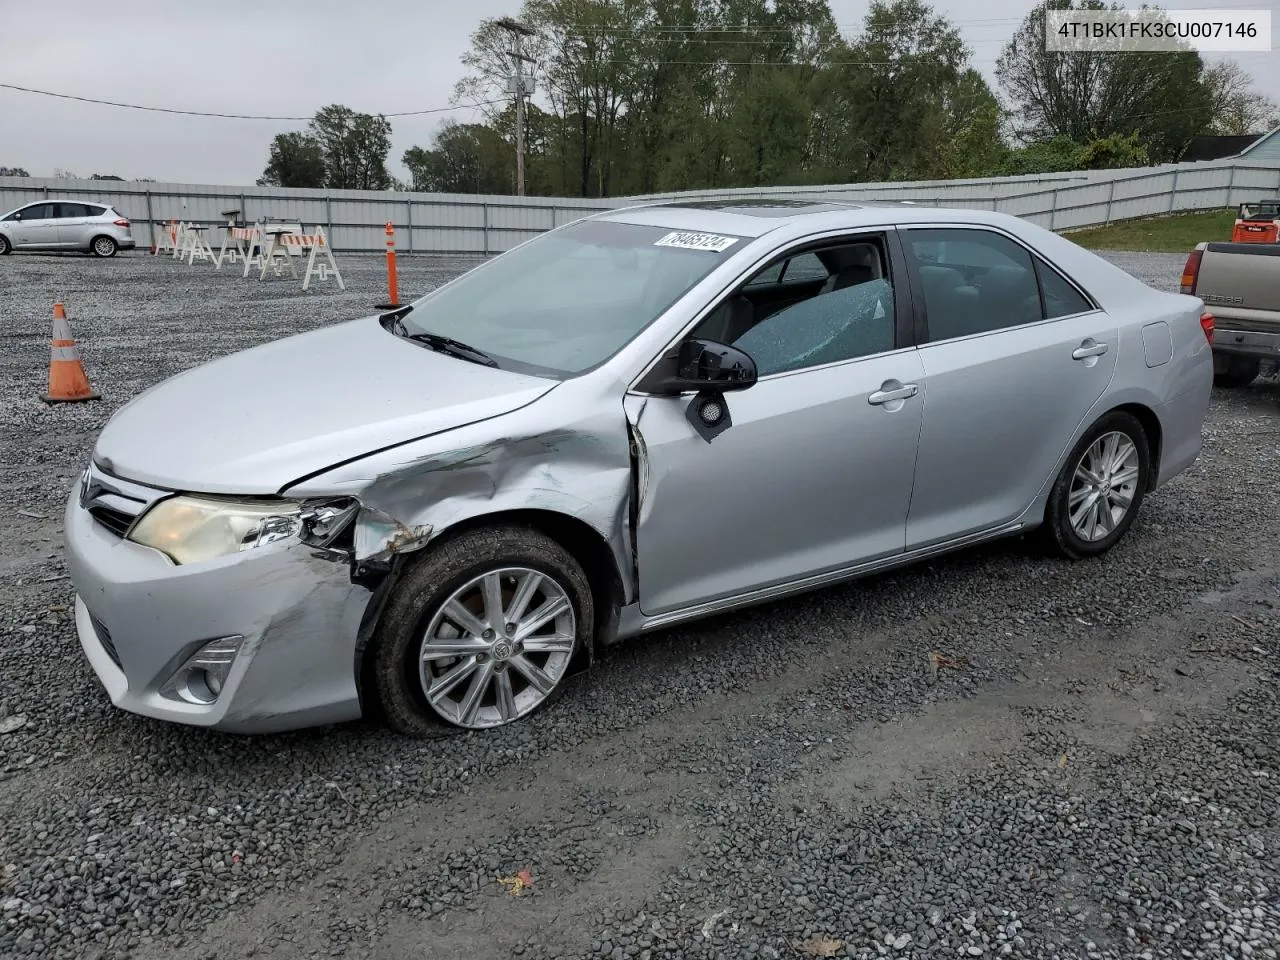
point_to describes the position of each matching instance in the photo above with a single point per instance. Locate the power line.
(228, 116)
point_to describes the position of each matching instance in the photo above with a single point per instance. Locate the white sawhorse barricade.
(258, 250)
(197, 246)
(319, 262)
(166, 238)
(238, 243)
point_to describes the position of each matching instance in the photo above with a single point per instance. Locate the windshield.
(1260, 208)
(570, 299)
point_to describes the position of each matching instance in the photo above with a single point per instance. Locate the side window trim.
(913, 267)
(900, 277)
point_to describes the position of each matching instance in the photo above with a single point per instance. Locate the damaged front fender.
(378, 537)
(568, 456)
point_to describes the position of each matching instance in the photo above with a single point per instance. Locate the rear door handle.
(1088, 349)
(898, 393)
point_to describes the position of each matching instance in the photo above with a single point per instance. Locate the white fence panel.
(460, 223)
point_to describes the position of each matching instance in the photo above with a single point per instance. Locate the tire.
(5, 246)
(459, 570)
(103, 246)
(1231, 373)
(1083, 538)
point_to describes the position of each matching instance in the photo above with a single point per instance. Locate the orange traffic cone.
(67, 380)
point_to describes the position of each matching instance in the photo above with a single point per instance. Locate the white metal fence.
(460, 223)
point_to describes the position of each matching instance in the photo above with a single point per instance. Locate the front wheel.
(4, 245)
(481, 631)
(104, 247)
(1101, 487)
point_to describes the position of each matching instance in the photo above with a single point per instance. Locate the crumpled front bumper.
(140, 617)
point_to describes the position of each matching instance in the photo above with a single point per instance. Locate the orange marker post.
(393, 287)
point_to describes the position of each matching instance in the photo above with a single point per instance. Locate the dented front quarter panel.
(569, 454)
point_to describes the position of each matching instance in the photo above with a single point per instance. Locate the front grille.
(113, 502)
(104, 637)
(114, 520)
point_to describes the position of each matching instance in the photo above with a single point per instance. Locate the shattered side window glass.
(856, 321)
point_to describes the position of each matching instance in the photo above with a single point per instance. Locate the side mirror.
(707, 366)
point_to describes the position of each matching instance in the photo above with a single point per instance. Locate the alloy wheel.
(497, 647)
(1103, 486)
(104, 246)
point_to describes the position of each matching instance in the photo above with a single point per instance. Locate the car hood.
(256, 421)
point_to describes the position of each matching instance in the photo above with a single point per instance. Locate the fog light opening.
(202, 678)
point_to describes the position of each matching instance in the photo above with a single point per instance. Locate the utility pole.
(518, 32)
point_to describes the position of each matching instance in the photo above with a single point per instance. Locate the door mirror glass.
(707, 365)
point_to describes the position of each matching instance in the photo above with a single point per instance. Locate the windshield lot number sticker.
(696, 241)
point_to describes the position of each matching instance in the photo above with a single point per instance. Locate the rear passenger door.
(73, 223)
(1015, 355)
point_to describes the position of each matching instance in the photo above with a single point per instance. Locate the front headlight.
(191, 529)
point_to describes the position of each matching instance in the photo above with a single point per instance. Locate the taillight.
(1206, 324)
(122, 222)
(1191, 271)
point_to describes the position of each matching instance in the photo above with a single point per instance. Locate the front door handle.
(896, 393)
(1089, 348)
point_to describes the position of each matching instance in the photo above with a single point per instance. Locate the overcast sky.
(288, 59)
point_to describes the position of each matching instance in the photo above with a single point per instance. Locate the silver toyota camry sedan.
(435, 515)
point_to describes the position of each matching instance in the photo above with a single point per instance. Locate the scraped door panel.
(811, 477)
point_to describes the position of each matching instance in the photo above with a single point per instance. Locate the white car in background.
(95, 228)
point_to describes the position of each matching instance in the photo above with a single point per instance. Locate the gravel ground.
(1097, 778)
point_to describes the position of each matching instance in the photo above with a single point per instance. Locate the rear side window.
(67, 211)
(1061, 299)
(94, 211)
(975, 281)
(979, 281)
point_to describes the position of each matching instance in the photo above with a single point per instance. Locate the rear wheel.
(481, 632)
(1235, 372)
(104, 247)
(4, 245)
(1101, 487)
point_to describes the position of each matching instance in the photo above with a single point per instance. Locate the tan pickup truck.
(1240, 285)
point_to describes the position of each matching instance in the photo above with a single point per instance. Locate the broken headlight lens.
(191, 529)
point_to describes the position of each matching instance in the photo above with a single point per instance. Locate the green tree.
(296, 160)
(354, 146)
(638, 96)
(972, 118)
(13, 172)
(1115, 152)
(463, 158)
(1238, 109)
(1089, 95)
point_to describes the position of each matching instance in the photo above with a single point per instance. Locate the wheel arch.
(1152, 427)
(1145, 415)
(583, 542)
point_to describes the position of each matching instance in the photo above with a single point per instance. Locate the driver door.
(34, 226)
(813, 475)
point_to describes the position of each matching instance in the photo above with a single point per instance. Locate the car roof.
(94, 203)
(752, 217)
